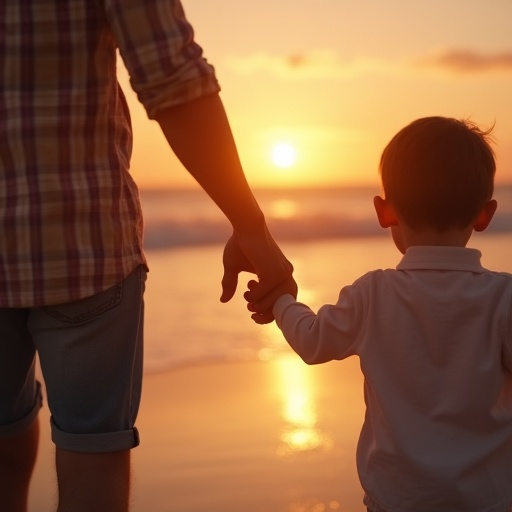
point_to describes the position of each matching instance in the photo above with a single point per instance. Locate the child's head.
(438, 173)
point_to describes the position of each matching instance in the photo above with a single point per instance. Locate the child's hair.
(438, 172)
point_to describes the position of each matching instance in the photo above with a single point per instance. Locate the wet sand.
(275, 436)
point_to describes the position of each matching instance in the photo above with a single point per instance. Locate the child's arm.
(315, 337)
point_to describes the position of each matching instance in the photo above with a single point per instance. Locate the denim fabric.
(91, 354)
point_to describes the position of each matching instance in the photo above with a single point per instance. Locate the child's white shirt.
(434, 338)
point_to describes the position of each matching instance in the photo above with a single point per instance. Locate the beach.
(231, 420)
(274, 436)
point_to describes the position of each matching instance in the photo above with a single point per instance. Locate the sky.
(334, 80)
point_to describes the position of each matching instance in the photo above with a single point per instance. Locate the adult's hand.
(259, 254)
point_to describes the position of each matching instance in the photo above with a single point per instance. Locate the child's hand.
(262, 310)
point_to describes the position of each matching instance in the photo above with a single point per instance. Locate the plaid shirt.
(71, 223)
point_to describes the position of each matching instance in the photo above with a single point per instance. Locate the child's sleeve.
(507, 344)
(330, 334)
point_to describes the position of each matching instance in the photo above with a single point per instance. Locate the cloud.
(467, 61)
(327, 64)
(311, 65)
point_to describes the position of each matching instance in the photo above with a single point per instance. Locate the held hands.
(259, 254)
(262, 310)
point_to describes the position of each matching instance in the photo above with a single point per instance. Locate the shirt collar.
(441, 258)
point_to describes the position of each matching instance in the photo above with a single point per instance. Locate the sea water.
(330, 235)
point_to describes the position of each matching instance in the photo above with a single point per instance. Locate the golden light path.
(300, 430)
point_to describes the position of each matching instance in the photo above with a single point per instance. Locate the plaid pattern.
(71, 223)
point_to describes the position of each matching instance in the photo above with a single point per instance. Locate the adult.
(72, 267)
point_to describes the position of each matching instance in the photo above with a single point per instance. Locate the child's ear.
(485, 216)
(385, 212)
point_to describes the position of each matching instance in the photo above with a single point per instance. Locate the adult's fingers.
(229, 284)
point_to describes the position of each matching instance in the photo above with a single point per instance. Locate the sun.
(283, 155)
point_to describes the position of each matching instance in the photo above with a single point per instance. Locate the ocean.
(331, 236)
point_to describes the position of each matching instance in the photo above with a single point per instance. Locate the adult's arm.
(199, 133)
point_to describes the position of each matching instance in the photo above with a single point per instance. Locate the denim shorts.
(90, 353)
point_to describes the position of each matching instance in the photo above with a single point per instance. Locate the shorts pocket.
(84, 309)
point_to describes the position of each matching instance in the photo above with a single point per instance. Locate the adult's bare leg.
(18, 455)
(93, 481)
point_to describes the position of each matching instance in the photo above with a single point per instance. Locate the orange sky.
(337, 79)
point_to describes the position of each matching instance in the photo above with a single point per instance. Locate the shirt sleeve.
(507, 336)
(157, 45)
(330, 334)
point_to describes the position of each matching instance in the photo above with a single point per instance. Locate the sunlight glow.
(300, 432)
(283, 155)
(283, 209)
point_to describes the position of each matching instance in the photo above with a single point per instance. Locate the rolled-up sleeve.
(156, 42)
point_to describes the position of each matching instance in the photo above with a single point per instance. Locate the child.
(434, 336)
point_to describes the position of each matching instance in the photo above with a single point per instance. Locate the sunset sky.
(336, 79)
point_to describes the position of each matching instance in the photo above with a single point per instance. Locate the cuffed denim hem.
(24, 423)
(95, 443)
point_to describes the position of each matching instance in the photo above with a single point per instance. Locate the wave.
(170, 233)
(189, 218)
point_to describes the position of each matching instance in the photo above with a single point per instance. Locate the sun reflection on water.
(315, 507)
(300, 431)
